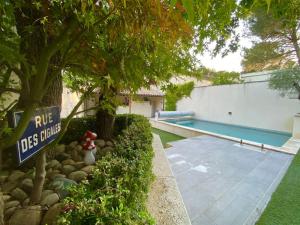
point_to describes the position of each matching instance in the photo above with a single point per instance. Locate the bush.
(77, 127)
(117, 192)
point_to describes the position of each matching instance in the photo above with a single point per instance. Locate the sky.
(231, 62)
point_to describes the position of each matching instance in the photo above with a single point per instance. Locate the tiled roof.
(153, 91)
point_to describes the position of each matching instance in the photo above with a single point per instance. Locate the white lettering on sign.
(29, 142)
(47, 133)
(43, 119)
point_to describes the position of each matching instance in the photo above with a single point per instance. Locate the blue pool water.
(269, 137)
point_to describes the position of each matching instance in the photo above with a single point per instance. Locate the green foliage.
(286, 81)
(77, 127)
(264, 56)
(174, 93)
(117, 192)
(224, 77)
(276, 26)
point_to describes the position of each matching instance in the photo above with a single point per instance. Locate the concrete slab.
(222, 182)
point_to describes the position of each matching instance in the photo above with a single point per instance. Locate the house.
(145, 102)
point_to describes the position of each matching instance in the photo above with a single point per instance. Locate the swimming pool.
(268, 137)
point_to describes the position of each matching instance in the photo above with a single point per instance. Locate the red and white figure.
(89, 147)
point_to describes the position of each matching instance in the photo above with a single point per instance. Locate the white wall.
(251, 104)
(69, 100)
(141, 108)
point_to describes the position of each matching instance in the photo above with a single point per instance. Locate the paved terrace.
(222, 182)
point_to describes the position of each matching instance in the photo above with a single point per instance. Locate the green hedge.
(118, 190)
(78, 126)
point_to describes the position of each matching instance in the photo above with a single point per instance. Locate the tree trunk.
(105, 124)
(39, 179)
(52, 97)
(105, 116)
(296, 45)
(1, 209)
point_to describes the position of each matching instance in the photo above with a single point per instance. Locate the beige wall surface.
(248, 104)
(69, 100)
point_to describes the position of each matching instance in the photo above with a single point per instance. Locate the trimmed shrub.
(117, 192)
(77, 127)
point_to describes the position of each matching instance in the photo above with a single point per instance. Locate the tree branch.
(89, 109)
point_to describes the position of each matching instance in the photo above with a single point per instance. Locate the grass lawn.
(166, 136)
(284, 207)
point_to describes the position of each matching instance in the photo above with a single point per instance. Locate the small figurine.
(89, 147)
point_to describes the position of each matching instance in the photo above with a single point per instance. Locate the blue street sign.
(42, 129)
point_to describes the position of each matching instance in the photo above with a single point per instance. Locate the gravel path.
(165, 202)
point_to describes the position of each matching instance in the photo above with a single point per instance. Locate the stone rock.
(79, 165)
(1, 208)
(59, 176)
(67, 169)
(100, 143)
(62, 156)
(27, 185)
(77, 156)
(9, 186)
(61, 185)
(60, 149)
(16, 175)
(78, 148)
(6, 198)
(109, 143)
(45, 193)
(50, 200)
(52, 174)
(8, 213)
(53, 164)
(26, 202)
(78, 176)
(19, 194)
(88, 169)
(30, 174)
(29, 215)
(68, 162)
(51, 214)
(11, 204)
(73, 144)
(3, 178)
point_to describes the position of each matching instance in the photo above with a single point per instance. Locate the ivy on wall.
(174, 93)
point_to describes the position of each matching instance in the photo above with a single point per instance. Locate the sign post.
(42, 129)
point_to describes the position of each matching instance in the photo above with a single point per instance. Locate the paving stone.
(223, 183)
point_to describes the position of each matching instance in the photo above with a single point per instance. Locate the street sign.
(42, 129)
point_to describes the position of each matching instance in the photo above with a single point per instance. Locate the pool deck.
(291, 146)
(223, 182)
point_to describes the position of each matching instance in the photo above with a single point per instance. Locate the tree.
(264, 56)
(277, 27)
(40, 39)
(224, 77)
(286, 81)
(43, 38)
